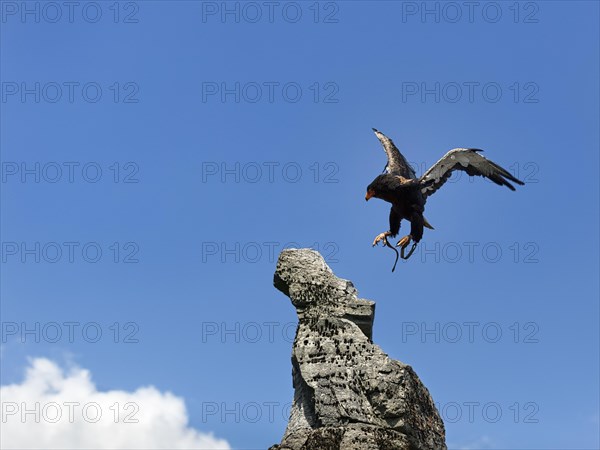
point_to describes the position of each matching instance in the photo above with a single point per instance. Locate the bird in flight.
(400, 186)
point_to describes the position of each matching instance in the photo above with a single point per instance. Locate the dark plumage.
(400, 186)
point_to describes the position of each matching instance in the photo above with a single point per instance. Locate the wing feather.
(397, 164)
(468, 160)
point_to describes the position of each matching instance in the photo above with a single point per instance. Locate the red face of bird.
(370, 193)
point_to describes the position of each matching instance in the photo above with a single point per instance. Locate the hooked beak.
(369, 195)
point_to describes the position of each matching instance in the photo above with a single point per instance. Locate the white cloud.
(52, 409)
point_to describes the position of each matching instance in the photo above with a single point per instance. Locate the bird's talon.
(404, 241)
(381, 237)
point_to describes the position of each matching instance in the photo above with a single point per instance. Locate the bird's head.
(379, 187)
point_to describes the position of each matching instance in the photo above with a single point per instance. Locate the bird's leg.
(382, 237)
(404, 243)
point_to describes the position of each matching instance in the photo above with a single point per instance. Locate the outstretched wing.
(397, 164)
(468, 160)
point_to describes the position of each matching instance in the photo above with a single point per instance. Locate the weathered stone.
(349, 394)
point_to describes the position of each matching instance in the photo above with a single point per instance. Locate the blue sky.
(189, 145)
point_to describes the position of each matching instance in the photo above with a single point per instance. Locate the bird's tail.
(427, 224)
